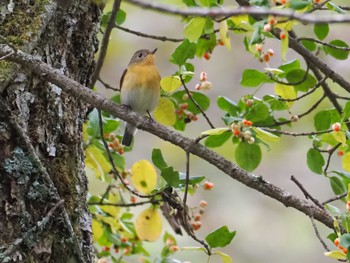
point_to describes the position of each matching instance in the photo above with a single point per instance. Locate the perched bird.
(140, 88)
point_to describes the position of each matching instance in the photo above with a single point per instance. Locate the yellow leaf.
(287, 26)
(284, 46)
(286, 92)
(194, 28)
(340, 136)
(242, 22)
(144, 176)
(165, 112)
(224, 34)
(216, 131)
(96, 161)
(336, 254)
(149, 225)
(170, 83)
(346, 162)
(266, 136)
(97, 230)
(85, 133)
(224, 257)
(112, 210)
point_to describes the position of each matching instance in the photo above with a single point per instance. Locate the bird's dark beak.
(154, 51)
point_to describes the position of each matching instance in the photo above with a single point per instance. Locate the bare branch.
(219, 13)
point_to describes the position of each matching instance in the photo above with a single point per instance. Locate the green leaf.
(299, 4)
(228, 105)
(337, 53)
(158, 160)
(321, 30)
(110, 125)
(217, 140)
(170, 83)
(96, 161)
(265, 136)
(290, 65)
(202, 100)
(322, 120)
(193, 30)
(205, 44)
(253, 78)
(334, 7)
(286, 92)
(336, 254)
(216, 131)
(315, 161)
(170, 176)
(256, 37)
(248, 156)
(337, 185)
(121, 16)
(346, 112)
(259, 111)
(297, 75)
(186, 50)
(345, 240)
(221, 237)
(309, 45)
(192, 180)
(224, 257)
(275, 103)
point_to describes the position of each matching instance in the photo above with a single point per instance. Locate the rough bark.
(33, 226)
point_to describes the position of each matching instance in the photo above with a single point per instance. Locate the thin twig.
(124, 204)
(318, 234)
(330, 153)
(35, 230)
(335, 198)
(291, 83)
(323, 43)
(195, 103)
(306, 194)
(294, 134)
(107, 86)
(104, 43)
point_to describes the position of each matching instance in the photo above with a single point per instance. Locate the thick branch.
(254, 11)
(77, 90)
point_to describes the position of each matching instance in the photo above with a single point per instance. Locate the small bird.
(140, 88)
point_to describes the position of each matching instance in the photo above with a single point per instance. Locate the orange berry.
(272, 20)
(198, 86)
(236, 132)
(169, 242)
(283, 35)
(126, 182)
(121, 151)
(106, 248)
(206, 55)
(196, 225)
(174, 248)
(203, 203)
(270, 52)
(336, 127)
(283, 2)
(197, 217)
(183, 106)
(317, 1)
(258, 48)
(116, 250)
(247, 123)
(203, 76)
(266, 57)
(340, 153)
(194, 118)
(133, 199)
(208, 185)
(111, 145)
(111, 136)
(220, 42)
(127, 250)
(336, 241)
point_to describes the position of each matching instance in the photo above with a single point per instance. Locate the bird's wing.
(122, 78)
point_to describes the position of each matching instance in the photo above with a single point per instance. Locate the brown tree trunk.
(41, 153)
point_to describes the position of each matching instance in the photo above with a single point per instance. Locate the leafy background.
(266, 229)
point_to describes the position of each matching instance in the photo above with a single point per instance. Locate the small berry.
(106, 248)
(111, 145)
(251, 140)
(207, 55)
(345, 251)
(340, 153)
(272, 20)
(336, 127)
(116, 250)
(206, 85)
(111, 136)
(258, 48)
(133, 199)
(185, 97)
(266, 57)
(194, 118)
(235, 126)
(283, 2)
(283, 35)
(247, 123)
(270, 52)
(203, 203)
(174, 248)
(247, 135)
(294, 118)
(267, 28)
(116, 141)
(208, 185)
(196, 225)
(124, 239)
(198, 86)
(236, 132)
(179, 112)
(220, 42)
(249, 102)
(126, 182)
(127, 250)
(169, 242)
(336, 241)
(203, 76)
(184, 106)
(197, 217)
(121, 151)
(102, 260)
(317, 1)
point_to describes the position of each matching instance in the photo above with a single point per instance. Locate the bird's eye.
(140, 55)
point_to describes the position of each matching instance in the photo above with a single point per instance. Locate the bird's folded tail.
(128, 134)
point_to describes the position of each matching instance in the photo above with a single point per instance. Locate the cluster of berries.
(241, 130)
(264, 56)
(203, 84)
(271, 22)
(183, 113)
(196, 224)
(114, 143)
